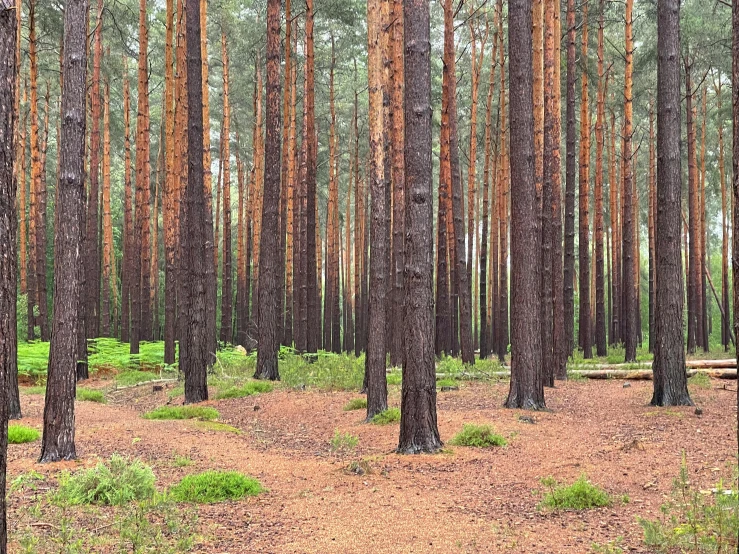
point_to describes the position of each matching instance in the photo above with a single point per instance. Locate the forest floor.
(462, 500)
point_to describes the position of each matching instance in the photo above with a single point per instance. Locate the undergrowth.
(580, 495)
(19, 434)
(700, 380)
(696, 521)
(90, 395)
(183, 412)
(210, 487)
(249, 388)
(217, 427)
(355, 404)
(117, 482)
(479, 436)
(342, 442)
(391, 415)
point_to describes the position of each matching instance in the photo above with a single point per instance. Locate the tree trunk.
(107, 222)
(704, 235)
(694, 319)
(169, 193)
(241, 296)
(503, 203)
(418, 427)
(651, 193)
(227, 277)
(284, 185)
(269, 341)
(180, 169)
(143, 176)
(735, 160)
(398, 180)
(194, 342)
(9, 18)
(526, 389)
(630, 306)
(64, 351)
(290, 155)
(461, 275)
(600, 293)
(670, 379)
(313, 307)
(128, 230)
(376, 340)
(614, 205)
(584, 327)
(725, 326)
(571, 165)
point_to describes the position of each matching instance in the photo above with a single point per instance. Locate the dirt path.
(463, 500)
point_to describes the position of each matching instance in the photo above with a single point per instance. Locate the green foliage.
(217, 427)
(446, 383)
(700, 380)
(182, 461)
(90, 395)
(134, 377)
(478, 436)
(249, 388)
(210, 487)
(356, 404)
(19, 434)
(580, 495)
(120, 481)
(391, 415)
(611, 547)
(183, 412)
(33, 390)
(695, 521)
(343, 441)
(329, 371)
(394, 378)
(33, 358)
(157, 525)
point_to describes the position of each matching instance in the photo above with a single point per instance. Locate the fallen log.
(626, 374)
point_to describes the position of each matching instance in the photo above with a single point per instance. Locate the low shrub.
(391, 415)
(580, 495)
(118, 482)
(19, 434)
(478, 436)
(249, 388)
(215, 486)
(205, 413)
(356, 404)
(343, 441)
(90, 395)
(217, 427)
(700, 380)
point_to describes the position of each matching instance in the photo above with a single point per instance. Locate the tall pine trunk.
(169, 193)
(600, 293)
(570, 172)
(227, 278)
(584, 327)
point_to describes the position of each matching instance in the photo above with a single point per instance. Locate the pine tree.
(226, 280)
(584, 327)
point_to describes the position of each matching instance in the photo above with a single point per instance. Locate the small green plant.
(156, 525)
(394, 378)
(217, 427)
(440, 383)
(249, 388)
(391, 415)
(342, 442)
(182, 461)
(478, 436)
(39, 390)
(580, 495)
(356, 404)
(611, 547)
(700, 380)
(118, 482)
(695, 521)
(215, 486)
(183, 412)
(90, 395)
(26, 481)
(135, 377)
(19, 434)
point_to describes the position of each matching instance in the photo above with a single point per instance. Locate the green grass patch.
(696, 521)
(446, 383)
(135, 377)
(478, 436)
(391, 415)
(217, 427)
(580, 495)
(20, 434)
(394, 378)
(343, 441)
(249, 388)
(90, 395)
(356, 404)
(700, 380)
(33, 390)
(183, 412)
(215, 486)
(118, 482)
(182, 461)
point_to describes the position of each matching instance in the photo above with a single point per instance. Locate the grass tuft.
(700, 380)
(580, 495)
(343, 441)
(446, 383)
(19, 434)
(478, 436)
(90, 395)
(40, 390)
(249, 388)
(356, 404)
(391, 415)
(215, 486)
(118, 482)
(183, 412)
